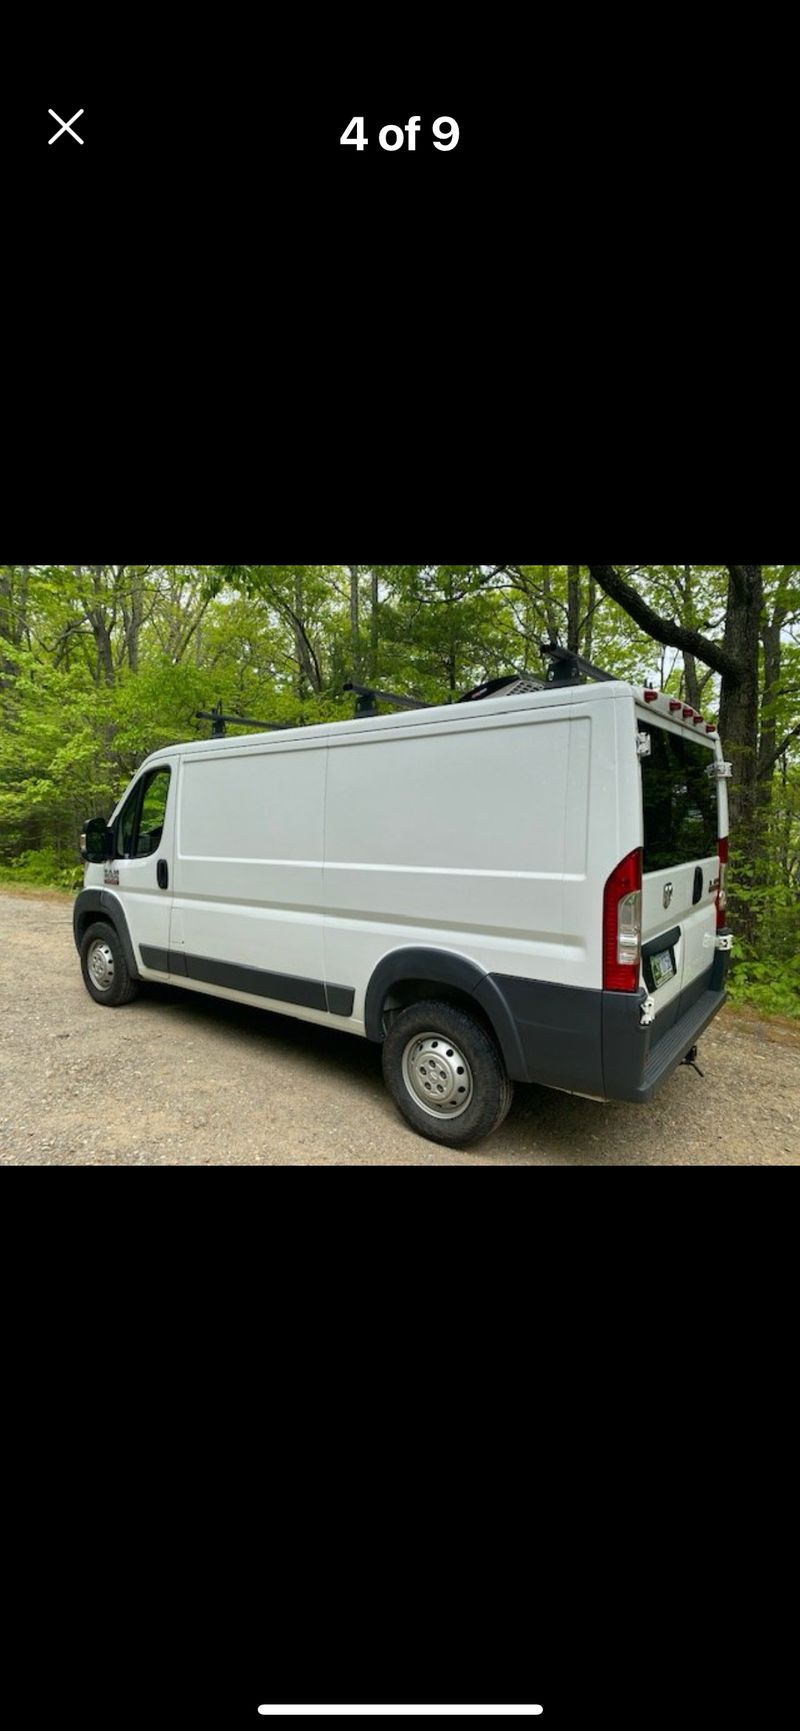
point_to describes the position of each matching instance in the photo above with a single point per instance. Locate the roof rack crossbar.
(220, 722)
(367, 696)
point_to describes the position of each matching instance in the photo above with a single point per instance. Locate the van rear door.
(680, 868)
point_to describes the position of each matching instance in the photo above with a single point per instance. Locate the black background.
(559, 313)
(267, 1446)
(249, 1461)
(159, 145)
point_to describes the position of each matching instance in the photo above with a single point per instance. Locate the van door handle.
(698, 884)
(162, 874)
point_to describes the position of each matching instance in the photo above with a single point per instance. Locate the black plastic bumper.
(637, 1060)
(634, 1065)
(594, 1043)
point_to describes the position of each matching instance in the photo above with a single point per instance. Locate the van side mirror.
(97, 841)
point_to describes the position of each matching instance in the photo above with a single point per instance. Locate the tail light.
(722, 892)
(622, 925)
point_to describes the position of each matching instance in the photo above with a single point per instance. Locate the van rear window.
(680, 800)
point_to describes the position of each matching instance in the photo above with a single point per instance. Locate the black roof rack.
(367, 697)
(220, 723)
(567, 668)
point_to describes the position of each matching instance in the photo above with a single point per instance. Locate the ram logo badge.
(668, 892)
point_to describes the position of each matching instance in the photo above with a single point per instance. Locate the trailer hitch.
(691, 1060)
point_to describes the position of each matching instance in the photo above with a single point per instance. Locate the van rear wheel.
(104, 968)
(445, 1073)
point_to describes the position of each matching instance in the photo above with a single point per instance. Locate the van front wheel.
(104, 968)
(445, 1073)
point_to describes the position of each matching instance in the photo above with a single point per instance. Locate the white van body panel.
(450, 815)
(301, 865)
(248, 858)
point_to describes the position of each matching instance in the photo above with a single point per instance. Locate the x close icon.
(65, 126)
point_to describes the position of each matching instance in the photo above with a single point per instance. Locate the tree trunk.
(591, 604)
(133, 622)
(355, 644)
(738, 713)
(13, 615)
(299, 633)
(574, 608)
(309, 670)
(96, 615)
(738, 725)
(23, 606)
(373, 629)
(767, 761)
(691, 682)
(452, 654)
(550, 609)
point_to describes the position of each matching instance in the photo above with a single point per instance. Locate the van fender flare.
(445, 968)
(90, 902)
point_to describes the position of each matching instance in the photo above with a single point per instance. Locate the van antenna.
(567, 668)
(220, 723)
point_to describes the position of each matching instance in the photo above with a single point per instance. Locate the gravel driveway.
(178, 1078)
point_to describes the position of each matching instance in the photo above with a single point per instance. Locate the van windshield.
(679, 799)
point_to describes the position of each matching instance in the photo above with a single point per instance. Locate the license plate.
(662, 967)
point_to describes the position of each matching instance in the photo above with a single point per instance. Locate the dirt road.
(176, 1078)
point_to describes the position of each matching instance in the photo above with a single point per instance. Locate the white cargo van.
(529, 888)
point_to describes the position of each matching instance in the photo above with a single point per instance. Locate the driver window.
(141, 820)
(126, 827)
(154, 807)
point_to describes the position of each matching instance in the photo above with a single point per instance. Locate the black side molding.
(257, 982)
(287, 989)
(340, 1000)
(155, 958)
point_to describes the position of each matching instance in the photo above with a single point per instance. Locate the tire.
(104, 968)
(435, 1053)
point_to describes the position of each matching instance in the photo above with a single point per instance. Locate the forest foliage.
(101, 664)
